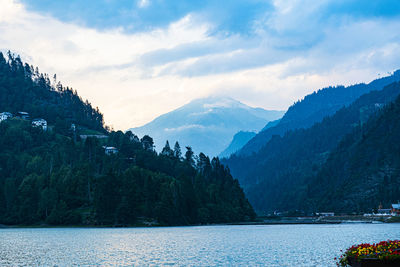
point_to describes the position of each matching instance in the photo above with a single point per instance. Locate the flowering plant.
(384, 251)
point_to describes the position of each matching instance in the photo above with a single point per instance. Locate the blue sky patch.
(140, 15)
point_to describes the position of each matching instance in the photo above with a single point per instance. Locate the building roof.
(396, 206)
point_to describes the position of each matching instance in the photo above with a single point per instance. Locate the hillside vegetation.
(55, 177)
(314, 108)
(292, 172)
(24, 88)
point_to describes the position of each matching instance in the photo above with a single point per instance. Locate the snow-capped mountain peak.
(206, 124)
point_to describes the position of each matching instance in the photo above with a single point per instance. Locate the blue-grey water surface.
(261, 245)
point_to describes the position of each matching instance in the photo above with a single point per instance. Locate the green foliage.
(177, 150)
(49, 178)
(339, 164)
(53, 177)
(23, 88)
(364, 169)
(314, 108)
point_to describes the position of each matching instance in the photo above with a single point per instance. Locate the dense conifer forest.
(24, 88)
(56, 177)
(346, 163)
(314, 107)
(364, 169)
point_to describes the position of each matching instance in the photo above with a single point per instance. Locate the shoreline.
(277, 221)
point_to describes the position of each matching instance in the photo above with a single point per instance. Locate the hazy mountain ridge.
(364, 169)
(206, 124)
(314, 107)
(279, 175)
(238, 141)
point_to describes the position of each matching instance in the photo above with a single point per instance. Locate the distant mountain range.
(241, 138)
(207, 125)
(308, 166)
(238, 141)
(314, 107)
(364, 169)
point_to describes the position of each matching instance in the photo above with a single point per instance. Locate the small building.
(110, 150)
(40, 123)
(5, 116)
(278, 213)
(384, 211)
(325, 214)
(23, 115)
(396, 209)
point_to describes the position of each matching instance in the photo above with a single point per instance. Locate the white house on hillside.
(109, 150)
(23, 115)
(40, 123)
(5, 115)
(325, 214)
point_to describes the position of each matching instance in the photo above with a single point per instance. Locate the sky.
(138, 59)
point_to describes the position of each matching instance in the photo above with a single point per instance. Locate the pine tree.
(177, 150)
(189, 155)
(167, 150)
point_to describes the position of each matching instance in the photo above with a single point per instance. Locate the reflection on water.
(266, 245)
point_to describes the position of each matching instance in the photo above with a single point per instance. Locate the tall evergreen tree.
(177, 150)
(189, 155)
(167, 151)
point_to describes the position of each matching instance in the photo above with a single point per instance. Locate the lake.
(255, 245)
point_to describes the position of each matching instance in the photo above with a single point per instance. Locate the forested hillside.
(23, 88)
(313, 108)
(280, 175)
(364, 170)
(55, 177)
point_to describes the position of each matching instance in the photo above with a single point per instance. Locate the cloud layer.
(139, 59)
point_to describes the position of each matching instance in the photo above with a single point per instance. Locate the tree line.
(322, 168)
(55, 177)
(24, 88)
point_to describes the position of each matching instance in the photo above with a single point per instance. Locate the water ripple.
(266, 245)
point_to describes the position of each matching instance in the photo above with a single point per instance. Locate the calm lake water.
(264, 245)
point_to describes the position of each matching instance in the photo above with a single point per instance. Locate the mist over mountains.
(207, 125)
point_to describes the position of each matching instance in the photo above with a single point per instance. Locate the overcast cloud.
(139, 59)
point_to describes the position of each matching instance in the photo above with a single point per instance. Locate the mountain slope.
(314, 107)
(276, 177)
(364, 170)
(238, 141)
(206, 124)
(22, 88)
(51, 176)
